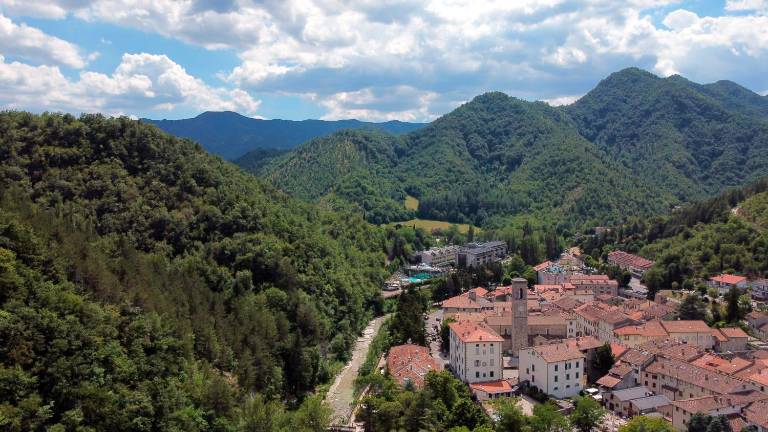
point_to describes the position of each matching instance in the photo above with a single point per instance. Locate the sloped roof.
(468, 331)
(728, 279)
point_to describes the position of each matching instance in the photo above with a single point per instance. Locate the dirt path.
(341, 394)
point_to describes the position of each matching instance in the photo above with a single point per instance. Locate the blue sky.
(368, 59)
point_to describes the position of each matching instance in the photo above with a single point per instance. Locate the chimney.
(472, 295)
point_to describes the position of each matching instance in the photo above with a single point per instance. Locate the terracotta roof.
(706, 404)
(594, 311)
(733, 332)
(584, 277)
(542, 266)
(544, 320)
(410, 363)
(686, 326)
(567, 303)
(649, 329)
(463, 301)
(557, 352)
(719, 364)
(608, 381)
(468, 331)
(622, 258)
(636, 357)
(500, 386)
(728, 279)
(757, 373)
(673, 349)
(719, 335)
(620, 369)
(757, 413)
(618, 350)
(696, 375)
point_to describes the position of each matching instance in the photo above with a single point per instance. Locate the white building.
(440, 257)
(556, 369)
(479, 254)
(475, 352)
(724, 282)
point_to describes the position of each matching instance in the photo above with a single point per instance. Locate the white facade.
(475, 359)
(440, 257)
(562, 378)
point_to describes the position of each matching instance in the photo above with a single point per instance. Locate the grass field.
(411, 203)
(430, 225)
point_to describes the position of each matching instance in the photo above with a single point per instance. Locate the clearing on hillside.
(430, 225)
(411, 203)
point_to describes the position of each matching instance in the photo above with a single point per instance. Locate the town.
(573, 333)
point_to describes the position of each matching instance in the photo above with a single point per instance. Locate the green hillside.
(147, 285)
(636, 145)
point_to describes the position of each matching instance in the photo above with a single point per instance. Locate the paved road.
(341, 394)
(432, 324)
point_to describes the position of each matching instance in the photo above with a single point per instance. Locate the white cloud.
(351, 56)
(141, 81)
(562, 100)
(32, 44)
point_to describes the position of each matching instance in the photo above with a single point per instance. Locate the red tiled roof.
(618, 350)
(728, 279)
(733, 332)
(757, 413)
(468, 331)
(491, 387)
(410, 363)
(696, 375)
(649, 329)
(627, 259)
(706, 404)
(686, 326)
(719, 364)
(557, 352)
(542, 266)
(463, 301)
(608, 381)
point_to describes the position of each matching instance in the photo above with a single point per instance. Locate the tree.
(692, 308)
(546, 418)
(733, 312)
(445, 334)
(604, 359)
(647, 424)
(706, 423)
(511, 418)
(653, 280)
(587, 414)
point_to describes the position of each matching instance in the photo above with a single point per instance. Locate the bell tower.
(519, 315)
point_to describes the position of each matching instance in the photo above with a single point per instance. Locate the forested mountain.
(635, 145)
(231, 135)
(685, 138)
(146, 285)
(492, 157)
(726, 233)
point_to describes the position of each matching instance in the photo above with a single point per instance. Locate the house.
(600, 320)
(484, 391)
(731, 339)
(721, 365)
(756, 414)
(757, 319)
(474, 255)
(679, 380)
(759, 289)
(636, 265)
(475, 352)
(635, 335)
(473, 300)
(542, 268)
(410, 364)
(618, 378)
(556, 369)
(694, 332)
(724, 282)
(634, 401)
(598, 284)
(714, 405)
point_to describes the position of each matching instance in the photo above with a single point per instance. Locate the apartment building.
(557, 369)
(478, 254)
(475, 352)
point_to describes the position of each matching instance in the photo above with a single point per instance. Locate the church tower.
(519, 315)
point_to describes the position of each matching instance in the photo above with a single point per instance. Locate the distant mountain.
(231, 135)
(635, 145)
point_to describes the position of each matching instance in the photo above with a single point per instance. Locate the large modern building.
(440, 257)
(479, 254)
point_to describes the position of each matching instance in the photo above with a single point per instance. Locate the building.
(695, 332)
(475, 352)
(490, 390)
(542, 268)
(556, 369)
(440, 257)
(410, 364)
(598, 284)
(759, 289)
(636, 265)
(600, 320)
(714, 405)
(724, 282)
(731, 339)
(634, 401)
(618, 378)
(479, 254)
(679, 380)
(635, 335)
(473, 300)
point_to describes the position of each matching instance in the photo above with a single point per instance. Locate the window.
(527, 371)
(577, 364)
(477, 349)
(477, 363)
(492, 362)
(533, 378)
(556, 368)
(491, 348)
(577, 375)
(555, 378)
(567, 376)
(477, 374)
(491, 374)
(533, 367)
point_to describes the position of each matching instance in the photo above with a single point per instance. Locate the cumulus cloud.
(562, 100)
(32, 44)
(354, 58)
(141, 81)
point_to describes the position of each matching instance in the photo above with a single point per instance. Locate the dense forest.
(231, 135)
(147, 281)
(636, 145)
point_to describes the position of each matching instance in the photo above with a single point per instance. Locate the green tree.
(546, 418)
(604, 359)
(445, 334)
(692, 308)
(647, 424)
(654, 281)
(733, 311)
(510, 416)
(587, 414)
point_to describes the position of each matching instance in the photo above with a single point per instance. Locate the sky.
(373, 60)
